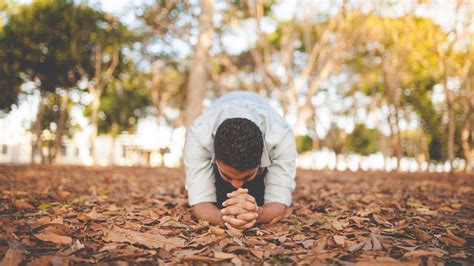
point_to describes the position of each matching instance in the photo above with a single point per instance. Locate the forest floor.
(121, 215)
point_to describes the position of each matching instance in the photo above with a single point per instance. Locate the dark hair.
(238, 143)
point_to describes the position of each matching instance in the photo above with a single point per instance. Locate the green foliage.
(304, 143)
(419, 97)
(363, 140)
(37, 44)
(123, 102)
(54, 43)
(335, 139)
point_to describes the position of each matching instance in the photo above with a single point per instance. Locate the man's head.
(238, 144)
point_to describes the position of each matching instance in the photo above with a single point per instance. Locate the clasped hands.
(240, 210)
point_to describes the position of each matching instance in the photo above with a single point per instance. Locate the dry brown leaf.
(356, 247)
(257, 253)
(320, 245)
(23, 205)
(150, 203)
(168, 221)
(451, 235)
(299, 237)
(223, 255)
(308, 243)
(376, 245)
(422, 235)
(200, 259)
(234, 232)
(117, 234)
(63, 194)
(461, 254)
(55, 238)
(339, 226)
(237, 249)
(216, 230)
(340, 240)
(44, 220)
(449, 241)
(423, 253)
(368, 245)
(236, 261)
(13, 257)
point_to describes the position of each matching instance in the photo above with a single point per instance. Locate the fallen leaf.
(121, 235)
(173, 223)
(356, 247)
(22, 205)
(55, 238)
(455, 238)
(299, 237)
(237, 249)
(376, 245)
(320, 245)
(461, 254)
(308, 243)
(367, 245)
(13, 257)
(44, 220)
(449, 241)
(63, 194)
(200, 259)
(223, 255)
(423, 253)
(257, 253)
(216, 230)
(340, 240)
(234, 232)
(236, 261)
(339, 225)
(422, 235)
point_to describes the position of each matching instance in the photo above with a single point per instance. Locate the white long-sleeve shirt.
(279, 150)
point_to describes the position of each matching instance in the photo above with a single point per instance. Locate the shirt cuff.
(276, 193)
(195, 196)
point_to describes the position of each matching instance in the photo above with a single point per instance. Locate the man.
(240, 162)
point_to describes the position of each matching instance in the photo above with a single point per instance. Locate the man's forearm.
(269, 211)
(207, 211)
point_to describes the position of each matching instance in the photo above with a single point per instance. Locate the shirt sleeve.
(280, 178)
(199, 172)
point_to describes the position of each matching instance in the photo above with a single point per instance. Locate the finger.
(234, 222)
(248, 225)
(233, 210)
(243, 204)
(237, 200)
(231, 228)
(247, 197)
(238, 192)
(242, 190)
(247, 216)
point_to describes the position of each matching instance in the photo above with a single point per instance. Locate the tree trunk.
(398, 137)
(303, 115)
(38, 129)
(451, 122)
(198, 72)
(466, 147)
(63, 117)
(94, 127)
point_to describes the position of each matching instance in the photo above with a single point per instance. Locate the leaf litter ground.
(119, 215)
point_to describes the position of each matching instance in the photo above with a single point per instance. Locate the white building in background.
(161, 147)
(126, 150)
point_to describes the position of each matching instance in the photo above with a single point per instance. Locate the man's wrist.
(259, 212)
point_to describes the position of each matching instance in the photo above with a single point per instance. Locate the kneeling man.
(240, 162)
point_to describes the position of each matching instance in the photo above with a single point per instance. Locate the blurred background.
(366, 85)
